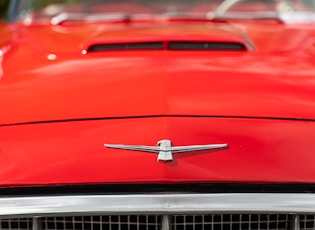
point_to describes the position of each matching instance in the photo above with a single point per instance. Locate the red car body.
(61, 101)
(59, 113)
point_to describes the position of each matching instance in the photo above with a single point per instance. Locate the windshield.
(86, 9)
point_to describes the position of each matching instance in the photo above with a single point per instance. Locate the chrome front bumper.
(166, 208)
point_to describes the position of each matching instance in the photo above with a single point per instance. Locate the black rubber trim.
(110, 189)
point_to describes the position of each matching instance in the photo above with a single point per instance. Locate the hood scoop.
(127, 46)
(173, 45)
(175, 37)
(211, 46)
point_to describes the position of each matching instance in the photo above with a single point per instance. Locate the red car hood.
(162, 94)
(46, 77)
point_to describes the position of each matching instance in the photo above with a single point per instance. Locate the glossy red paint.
(274, 80)
(251, 100)
(271, 151)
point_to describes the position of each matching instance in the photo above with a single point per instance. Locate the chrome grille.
(231, 222)
(307, 222)
(154, 222)
(16, 224)
(125, 222)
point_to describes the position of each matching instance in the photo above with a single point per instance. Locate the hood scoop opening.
(210, 46)
(127, 46)
(173, 45)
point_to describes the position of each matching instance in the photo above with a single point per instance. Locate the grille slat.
(154, 222)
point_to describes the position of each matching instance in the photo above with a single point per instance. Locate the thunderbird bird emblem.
(165, 150)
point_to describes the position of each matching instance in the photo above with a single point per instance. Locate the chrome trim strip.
(295, 222)
(166, 222)
(157, 204)
(37, 223)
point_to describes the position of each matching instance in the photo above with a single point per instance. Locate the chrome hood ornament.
(165, 150)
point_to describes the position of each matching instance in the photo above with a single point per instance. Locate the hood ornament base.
(165, 150)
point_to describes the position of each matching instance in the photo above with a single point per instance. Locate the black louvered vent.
(127, 46)
(219, 46)
(206, 46)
